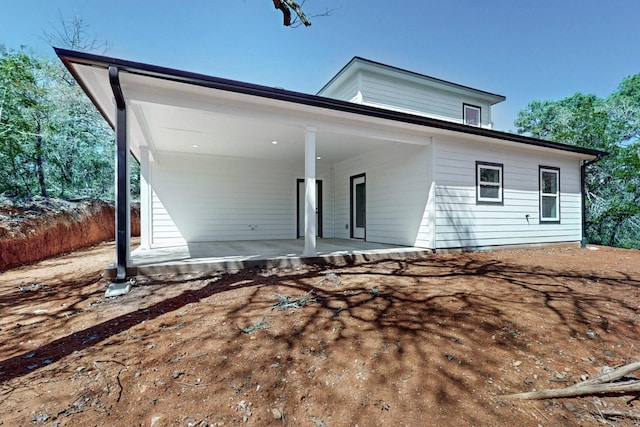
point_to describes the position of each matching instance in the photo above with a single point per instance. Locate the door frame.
(351, 223)
(318, 207)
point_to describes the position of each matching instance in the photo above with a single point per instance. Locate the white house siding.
(208, 198)
(401, 95)
(163, 230)
(348, 91)
(397, 191)
(461, 223)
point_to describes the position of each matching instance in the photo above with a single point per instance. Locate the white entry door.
(358, 206)
(300, 209)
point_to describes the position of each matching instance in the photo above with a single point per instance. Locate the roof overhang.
(173, 111)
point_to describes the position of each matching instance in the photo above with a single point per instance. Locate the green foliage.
(21, 124)
(53, 141)
(611, 124)
(82, 149)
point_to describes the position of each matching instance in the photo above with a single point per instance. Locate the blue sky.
(522, 49)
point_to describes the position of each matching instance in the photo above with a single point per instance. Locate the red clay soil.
(437, 341)
(41, 229)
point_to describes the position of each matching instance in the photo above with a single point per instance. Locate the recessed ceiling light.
(195, 146)
(318, 158)
(274, 142)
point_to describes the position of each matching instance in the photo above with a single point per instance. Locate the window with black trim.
(471, 114)
(549, 194)
(489, 182)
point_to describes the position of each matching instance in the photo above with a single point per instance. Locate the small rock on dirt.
(157, 420)
(318, 422)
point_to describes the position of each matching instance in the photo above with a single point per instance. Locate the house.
(379, 154)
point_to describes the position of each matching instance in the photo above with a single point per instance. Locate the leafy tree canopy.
(611, 124)
(53, 141)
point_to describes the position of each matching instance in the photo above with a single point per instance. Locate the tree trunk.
(39, 162)
(616, 227)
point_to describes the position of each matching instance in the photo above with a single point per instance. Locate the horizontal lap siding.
(397, 189)
(164, 230)
(348, 92)
(462, 223)
(396, 94)
(209, 198)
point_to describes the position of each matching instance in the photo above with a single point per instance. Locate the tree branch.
(597, 385)
(573, 391)
(286, 13)
(286, 6)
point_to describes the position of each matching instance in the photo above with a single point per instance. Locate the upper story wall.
(370, 83)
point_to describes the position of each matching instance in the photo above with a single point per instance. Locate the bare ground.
(38, 229)
(435, 341)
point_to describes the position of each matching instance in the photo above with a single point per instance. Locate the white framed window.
(489, 182)
(549, 194)
(471, 114)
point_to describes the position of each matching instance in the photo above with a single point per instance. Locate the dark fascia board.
(497, 98)
(69, 57)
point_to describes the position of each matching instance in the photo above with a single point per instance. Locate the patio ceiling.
(173, 117)
(174, 129)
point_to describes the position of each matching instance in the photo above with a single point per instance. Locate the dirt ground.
(436, 341)
(37, 229)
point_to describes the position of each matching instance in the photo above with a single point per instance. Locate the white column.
(145, 199)
(310, 192)
(433, 197)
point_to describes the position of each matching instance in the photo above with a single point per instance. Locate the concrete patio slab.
(236, 255)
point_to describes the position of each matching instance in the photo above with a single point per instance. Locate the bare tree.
(292, 13)
(74, 34)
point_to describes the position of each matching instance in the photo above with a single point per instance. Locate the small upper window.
(471, 115)
(489, 182)
(549, 194)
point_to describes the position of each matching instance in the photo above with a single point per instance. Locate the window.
(471, 115)
(488, 182)
(549, 194)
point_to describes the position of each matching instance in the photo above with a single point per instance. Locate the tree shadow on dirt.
(552, 288)
(390, 313)
(53, 351)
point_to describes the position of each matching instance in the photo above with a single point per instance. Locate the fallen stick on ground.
(613, 375)
(262, 325)
(597, 385)
(611, 413)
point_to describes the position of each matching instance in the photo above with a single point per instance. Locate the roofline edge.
(69, 56)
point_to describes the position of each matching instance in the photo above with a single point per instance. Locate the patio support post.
(310, 207)
(123, 208)
(145, 199)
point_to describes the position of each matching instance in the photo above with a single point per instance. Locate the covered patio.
(273, 177)
(235, 255)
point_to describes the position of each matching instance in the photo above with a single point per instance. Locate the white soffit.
(176, 117)
(96, 81)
